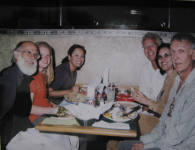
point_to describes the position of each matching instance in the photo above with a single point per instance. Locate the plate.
(75, 97)
(115, 114)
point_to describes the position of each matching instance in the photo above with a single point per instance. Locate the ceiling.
(163, 15)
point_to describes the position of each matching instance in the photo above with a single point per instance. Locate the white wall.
(120, 50)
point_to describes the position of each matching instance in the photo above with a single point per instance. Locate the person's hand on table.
(138, 146)
(53, 105)
(75, 89)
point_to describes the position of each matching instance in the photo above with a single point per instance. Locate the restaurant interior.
(111, 32)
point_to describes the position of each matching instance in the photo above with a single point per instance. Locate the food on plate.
(124, 94)
(124, 97)
(108, 115)
(117, 112)
(62, 112)
(83, 90)
(75, 97)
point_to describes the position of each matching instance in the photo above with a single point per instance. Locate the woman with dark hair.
(164, 61)
(66, 73)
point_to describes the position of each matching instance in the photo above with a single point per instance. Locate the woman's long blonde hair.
(49, 71)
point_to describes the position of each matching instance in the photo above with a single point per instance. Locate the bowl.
(86, 122)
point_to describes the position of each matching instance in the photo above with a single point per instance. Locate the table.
(87, 130)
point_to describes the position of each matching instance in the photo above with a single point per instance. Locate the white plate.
(115, 114)
(75, 97)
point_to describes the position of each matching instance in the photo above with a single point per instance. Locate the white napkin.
(32, 139)
(86, 111)
(103, 124)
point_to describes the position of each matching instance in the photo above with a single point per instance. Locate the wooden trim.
(87, 130)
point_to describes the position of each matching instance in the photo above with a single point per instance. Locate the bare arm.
(61, 93)
(141, 98)
(37, 110)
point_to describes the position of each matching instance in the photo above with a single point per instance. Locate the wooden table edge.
(86, 130)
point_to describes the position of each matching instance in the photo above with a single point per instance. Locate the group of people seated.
(164, 78)
(27, 84)
(33, 86)
(175, 100)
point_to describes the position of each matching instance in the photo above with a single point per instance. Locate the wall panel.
(119, 50)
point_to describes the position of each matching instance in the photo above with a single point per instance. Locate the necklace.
(171, 107)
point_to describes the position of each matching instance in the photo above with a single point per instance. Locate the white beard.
(26, 68)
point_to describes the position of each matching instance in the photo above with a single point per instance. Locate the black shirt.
(64, 79)
(15, 104)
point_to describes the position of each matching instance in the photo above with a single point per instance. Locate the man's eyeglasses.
(165, 56)
(30, 54)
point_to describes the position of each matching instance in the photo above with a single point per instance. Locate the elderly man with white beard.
(15, 100)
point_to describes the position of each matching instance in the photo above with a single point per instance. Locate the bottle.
(97, 97)
(104, 94)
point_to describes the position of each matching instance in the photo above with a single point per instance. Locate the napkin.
(86, 111)
(103, 124)
(32, 139)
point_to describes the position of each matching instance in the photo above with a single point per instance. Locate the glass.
(111, 92)
(165, 56)
(30, 54)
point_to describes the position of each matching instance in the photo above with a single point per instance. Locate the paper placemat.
(60, 121)
(103, 124)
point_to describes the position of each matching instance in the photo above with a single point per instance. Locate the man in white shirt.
(151, 80)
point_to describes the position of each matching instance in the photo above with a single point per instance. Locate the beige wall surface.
(119, 50)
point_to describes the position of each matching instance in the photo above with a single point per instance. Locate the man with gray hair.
(176, 129)
(15, 103)
(151, 80)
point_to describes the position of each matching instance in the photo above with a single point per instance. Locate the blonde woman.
(38, 86)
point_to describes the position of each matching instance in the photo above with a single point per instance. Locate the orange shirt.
(38, 88)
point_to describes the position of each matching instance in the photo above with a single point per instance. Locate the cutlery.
(133, 110)
(150, 111)
(154, 113)
(110, 108)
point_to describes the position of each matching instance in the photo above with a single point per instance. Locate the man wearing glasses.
(176, 129)
(15, 101)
